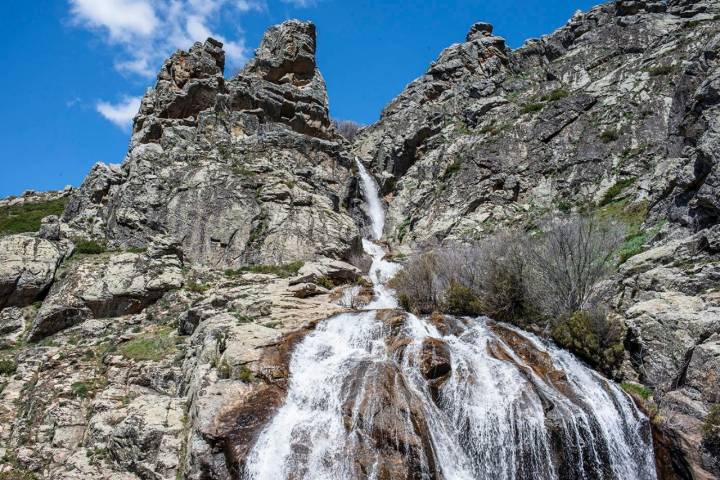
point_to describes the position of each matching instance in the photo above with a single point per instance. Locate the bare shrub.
(347, 128)
(515, 277)
(481, 278)
(569, 259)
(417, 285)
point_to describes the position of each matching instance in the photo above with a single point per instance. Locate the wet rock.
(386, 419)
(435, 364)
(434, 359)
(27, 268)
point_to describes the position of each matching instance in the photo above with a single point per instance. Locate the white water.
(490, 420)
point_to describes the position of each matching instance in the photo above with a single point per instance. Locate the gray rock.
(108, 285)
(335, 271)
(243, 171)
(27, 268)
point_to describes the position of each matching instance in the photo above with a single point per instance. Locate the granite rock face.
(231, 229)
(106, 286)
(617, 111)
(27, 269)
(623, 94)
(240, 171)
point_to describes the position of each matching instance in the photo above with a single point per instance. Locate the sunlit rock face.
(237, 323)
(244, 170)
(615, 112)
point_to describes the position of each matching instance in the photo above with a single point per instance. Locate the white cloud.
(300, 3)
(121, 113)
(146, 32)
(123, 19)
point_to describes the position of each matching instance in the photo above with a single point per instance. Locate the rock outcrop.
(232, 228)
(27, 269)
(615, 112)
(240, 171)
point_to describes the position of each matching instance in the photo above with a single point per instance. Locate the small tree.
(347, 128)
(569, 260)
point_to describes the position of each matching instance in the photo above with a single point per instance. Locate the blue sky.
(74, 69)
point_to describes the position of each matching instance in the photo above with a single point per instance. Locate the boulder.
(27, 268)
(336, 271)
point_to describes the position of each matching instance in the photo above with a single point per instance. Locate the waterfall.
(383, 394)
(376, 212)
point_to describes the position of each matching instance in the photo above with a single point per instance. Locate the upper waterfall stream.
(382, 394)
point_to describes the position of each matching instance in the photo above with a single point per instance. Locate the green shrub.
(153, 347)
(283, 270)
(711, 430)
(197, 287)
(7, 366)
(26, 218)
(405, 302)
(325, 282)
(640, 390)
(224, 370)
(245, 374)
(593, 336)
(616, 189)
(460, 300)
(662, 70)
(609, 135)
(88, 247)
(556, 94)
(532, 107)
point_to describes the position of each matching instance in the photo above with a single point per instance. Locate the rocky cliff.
(241, 171)
(616, 112)
(146, 333)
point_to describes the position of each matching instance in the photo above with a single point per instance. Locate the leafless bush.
(418, 284)
(569, 260)
(513, 276)
(347, 128)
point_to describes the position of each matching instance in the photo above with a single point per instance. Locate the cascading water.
(382, 394)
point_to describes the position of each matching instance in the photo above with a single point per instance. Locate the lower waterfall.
(382, 394)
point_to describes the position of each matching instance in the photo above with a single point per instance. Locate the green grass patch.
(532, 107)
(635, 242)
(635, 388)
(7, 366)
(632, 215)
(661, 70)
(616, 189)
(246, 375)
(88, 247)
(609, 135)
(556, 94)
(26, 218)
(151, 346)
(197, 287)
(283, 270)
(242, 318)
(81, 389)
